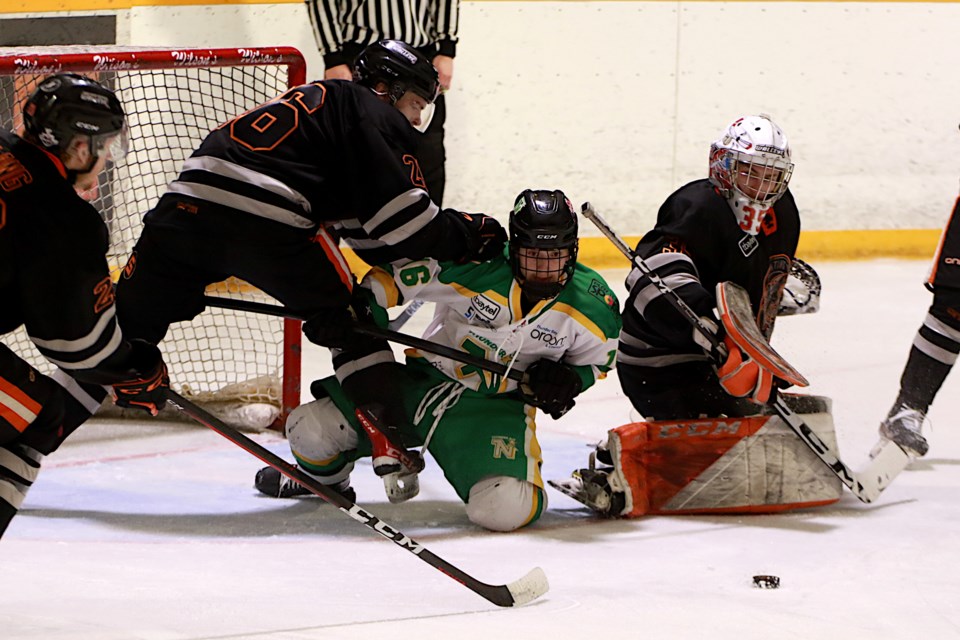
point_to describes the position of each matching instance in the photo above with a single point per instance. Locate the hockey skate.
(903, 426)
(270, 482)
(595, 488)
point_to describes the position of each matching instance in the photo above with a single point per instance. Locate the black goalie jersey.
(696, 244)
(53, 274)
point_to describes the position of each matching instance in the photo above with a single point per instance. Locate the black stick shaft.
(376, 332)
(499, 595)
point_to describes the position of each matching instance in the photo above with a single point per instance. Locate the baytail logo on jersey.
(748, 244)
(486, 309)
(504, 447)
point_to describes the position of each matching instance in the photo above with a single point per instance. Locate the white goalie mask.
(750, 166)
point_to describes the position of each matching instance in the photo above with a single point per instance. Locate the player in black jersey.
(740, 225)
(255, 200)
(54, 280)
(934, 349)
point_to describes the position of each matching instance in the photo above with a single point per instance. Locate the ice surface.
(154, 531)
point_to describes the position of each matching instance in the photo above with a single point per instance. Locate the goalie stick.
(528, 588)
(866, 485)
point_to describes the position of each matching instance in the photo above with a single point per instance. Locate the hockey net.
(243, 366)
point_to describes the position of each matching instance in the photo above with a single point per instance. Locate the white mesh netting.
(223, 356)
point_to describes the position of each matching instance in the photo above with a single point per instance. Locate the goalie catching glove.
(551, 386)
(146, 389)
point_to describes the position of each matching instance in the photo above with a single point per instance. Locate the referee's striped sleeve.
(419, 23)
(327, 21)
(447, 19)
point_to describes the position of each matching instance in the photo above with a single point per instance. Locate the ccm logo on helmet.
(547, 236)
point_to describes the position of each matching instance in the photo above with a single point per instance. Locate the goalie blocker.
(713, 465)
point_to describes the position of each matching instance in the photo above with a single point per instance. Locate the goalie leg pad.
(502, 503)
(723, 465)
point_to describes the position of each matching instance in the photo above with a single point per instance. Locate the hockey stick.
(520, 592)
(866, 485)
(375, 332)
(406, 314)
(411, 459)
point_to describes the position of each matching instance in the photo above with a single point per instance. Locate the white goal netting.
(173, 98)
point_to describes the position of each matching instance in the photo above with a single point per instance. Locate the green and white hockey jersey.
(478, 311)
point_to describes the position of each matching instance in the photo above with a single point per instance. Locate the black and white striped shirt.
(344, 27)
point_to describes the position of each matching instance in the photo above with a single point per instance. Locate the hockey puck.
(766, 582)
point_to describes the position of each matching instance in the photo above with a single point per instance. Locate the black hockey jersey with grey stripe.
(54, 277)
(320, 153)
(695, 244)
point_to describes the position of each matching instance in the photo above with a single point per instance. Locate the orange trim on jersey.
(943, 239)
(10, 414)
(56, 161)
(333, 253)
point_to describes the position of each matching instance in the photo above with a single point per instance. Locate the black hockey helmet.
(398, 65)
(66, 105)
(543, 220)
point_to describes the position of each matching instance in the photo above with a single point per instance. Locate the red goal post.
(243, 366)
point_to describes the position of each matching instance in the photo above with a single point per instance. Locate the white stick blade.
(529, 587)
(887, 463)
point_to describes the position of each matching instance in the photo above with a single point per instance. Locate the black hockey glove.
(146, 389)
(485, 236)
(551, 386)
(334, 328)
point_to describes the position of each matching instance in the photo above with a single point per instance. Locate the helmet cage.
(767, 177)
(543, 225)
(750, 167)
